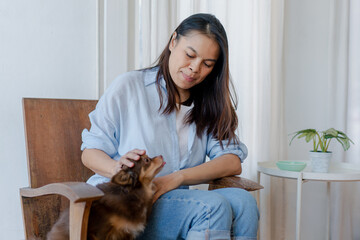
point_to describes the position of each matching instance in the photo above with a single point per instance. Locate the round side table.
(338, 172)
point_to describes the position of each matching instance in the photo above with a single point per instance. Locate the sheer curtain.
(255, 33)
(344, 96)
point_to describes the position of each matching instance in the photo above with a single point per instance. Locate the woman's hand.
(225, 165)
(125, 159)
(166, 183)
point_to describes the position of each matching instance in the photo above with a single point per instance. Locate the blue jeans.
(228, 213)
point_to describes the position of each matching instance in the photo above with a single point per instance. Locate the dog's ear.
(126, 178)
(122, 178)
(134, 178)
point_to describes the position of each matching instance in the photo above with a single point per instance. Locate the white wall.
(48, 49)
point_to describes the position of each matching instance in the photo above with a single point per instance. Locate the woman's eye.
(207, 65)
(188, 55)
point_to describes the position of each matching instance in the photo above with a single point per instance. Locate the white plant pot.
(320, 161)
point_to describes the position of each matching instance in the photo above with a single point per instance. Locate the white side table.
(338, 172)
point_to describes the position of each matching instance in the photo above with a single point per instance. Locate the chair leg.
(79, 216)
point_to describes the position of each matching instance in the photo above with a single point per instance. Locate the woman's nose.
(195, 66)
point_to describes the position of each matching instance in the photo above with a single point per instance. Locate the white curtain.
(255, 34)
(260, 85)
(344, 72)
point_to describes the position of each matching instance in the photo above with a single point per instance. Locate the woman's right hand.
(99, 162)
(125, 159)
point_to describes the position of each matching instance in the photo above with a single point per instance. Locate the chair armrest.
(74, 191)
(81, 196)
(234, 181)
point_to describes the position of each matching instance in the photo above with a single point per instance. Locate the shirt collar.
(150, 77)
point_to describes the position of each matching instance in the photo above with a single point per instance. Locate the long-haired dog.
(123, 210)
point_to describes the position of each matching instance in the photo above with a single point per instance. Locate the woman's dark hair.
(213, 109)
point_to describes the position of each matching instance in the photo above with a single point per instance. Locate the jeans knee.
(220, 209)
(219, 203)
(211, 212)
(246, 197)
(247, 202)
(245, 210)
(241, 201)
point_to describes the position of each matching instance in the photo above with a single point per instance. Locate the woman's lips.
(187, 78)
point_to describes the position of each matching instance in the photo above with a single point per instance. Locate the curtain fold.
(344, 112)
(353, 114)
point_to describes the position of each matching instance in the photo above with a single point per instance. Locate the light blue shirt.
(127, 117)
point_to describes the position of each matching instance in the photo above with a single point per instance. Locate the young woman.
(180, 109)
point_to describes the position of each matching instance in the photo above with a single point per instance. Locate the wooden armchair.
(56, 174)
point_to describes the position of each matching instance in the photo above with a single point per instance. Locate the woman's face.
(192, 58)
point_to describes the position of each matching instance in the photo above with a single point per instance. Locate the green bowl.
(291, 165)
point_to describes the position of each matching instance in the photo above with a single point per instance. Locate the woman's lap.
(196, 214)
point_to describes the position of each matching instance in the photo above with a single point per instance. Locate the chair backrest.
(53, 138)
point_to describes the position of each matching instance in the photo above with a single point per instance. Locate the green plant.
(322, 139)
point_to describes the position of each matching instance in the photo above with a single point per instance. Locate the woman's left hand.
(166, 183)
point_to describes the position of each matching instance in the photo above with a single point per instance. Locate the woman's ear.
(173, 41)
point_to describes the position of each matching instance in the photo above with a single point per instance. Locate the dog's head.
(144, 170)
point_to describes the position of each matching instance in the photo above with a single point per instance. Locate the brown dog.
(123, 210)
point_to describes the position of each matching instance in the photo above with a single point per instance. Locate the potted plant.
(320, 156)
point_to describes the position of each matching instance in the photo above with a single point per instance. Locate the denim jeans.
(228, 213)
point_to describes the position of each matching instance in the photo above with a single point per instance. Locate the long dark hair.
(213, 109)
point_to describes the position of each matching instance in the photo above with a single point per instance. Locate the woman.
(181, 109)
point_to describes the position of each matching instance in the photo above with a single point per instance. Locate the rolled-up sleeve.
(104, 131)
(215, 150)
